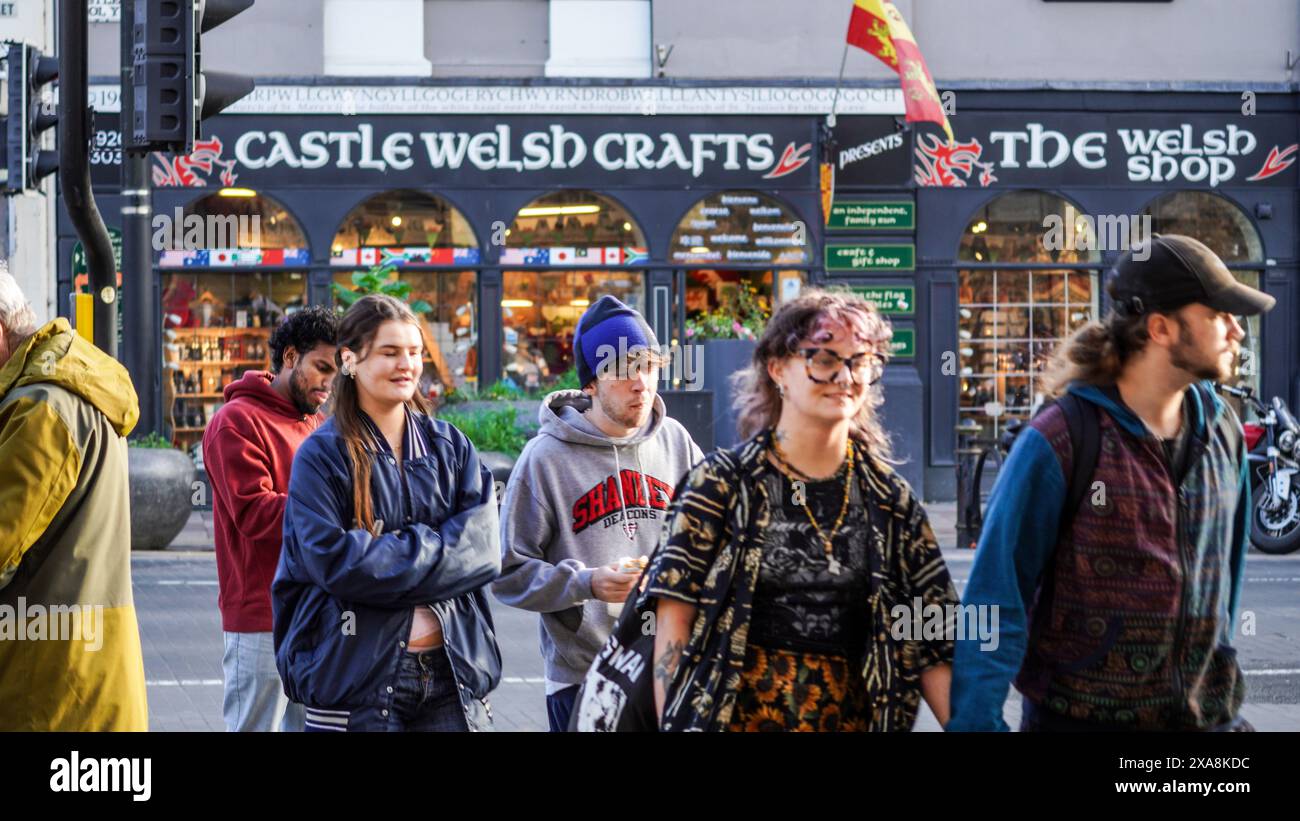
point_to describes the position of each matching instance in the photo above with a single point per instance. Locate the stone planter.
(722, 358)
(161, 481)
(500, 464)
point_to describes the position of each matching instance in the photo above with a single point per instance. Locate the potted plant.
(729, 336)
(161, 480)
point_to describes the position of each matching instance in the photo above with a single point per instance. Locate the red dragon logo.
(1276, 162)
(950, 166)
(792, 159)
(181, 172)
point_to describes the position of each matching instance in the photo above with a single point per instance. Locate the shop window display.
(588, 242)
(1010, 320)
(725, 231)
(217, 326)
(1228, 232)
(404, 228)
(218, 308)
(540, 312)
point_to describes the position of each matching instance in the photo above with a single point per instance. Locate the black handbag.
(617, 694)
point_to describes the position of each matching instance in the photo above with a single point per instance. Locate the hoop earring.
(780, 389)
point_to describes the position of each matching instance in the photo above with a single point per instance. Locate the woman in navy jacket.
(390, 535)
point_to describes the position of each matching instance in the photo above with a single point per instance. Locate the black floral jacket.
(707, 557)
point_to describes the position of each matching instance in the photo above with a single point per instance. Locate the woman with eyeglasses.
(785, 585)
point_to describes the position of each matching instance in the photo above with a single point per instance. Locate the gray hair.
(16, 314)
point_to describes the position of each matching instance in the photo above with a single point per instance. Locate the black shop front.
(999, 291)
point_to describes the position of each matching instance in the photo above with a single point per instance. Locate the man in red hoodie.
(248, 449)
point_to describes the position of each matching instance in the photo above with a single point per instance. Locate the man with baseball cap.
(588, 496)
(1115, 540)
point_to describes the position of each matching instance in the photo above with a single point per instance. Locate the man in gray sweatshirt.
(590, 491)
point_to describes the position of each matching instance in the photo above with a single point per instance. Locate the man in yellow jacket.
(69, 643)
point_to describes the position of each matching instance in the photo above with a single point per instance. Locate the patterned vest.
(1130, 626)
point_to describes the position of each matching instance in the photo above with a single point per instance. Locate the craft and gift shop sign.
(1201, 150)
(483, 151)
(870, 257)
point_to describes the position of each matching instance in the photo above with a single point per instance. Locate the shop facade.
(506, 226)
(1106, 167)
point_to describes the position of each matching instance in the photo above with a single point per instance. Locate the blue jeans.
(425, 700)
(559, 706)
(254, 699)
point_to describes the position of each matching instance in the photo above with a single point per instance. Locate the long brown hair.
(758, 402)
(1096, 353)
(356, 333)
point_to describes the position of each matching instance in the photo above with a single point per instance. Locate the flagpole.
(844, 56)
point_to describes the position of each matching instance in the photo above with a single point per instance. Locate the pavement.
(180, 627)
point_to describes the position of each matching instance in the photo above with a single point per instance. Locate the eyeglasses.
(631, 366)
(823, 366)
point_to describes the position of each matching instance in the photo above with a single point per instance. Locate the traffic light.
(171, 92)
(25, 162)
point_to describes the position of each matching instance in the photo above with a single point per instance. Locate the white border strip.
(547, 100)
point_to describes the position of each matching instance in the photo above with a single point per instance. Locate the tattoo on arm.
(666, 665)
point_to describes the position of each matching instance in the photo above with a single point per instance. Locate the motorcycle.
(1272, 449)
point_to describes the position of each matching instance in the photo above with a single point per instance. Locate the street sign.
(857, 215)
(903, 345)
(894, 300)
(871, 257)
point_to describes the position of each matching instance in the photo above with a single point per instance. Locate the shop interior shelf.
(222, 331)
(208, 363)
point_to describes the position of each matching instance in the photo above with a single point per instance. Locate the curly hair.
(758, 402)
(1096, 353)
(303, 331)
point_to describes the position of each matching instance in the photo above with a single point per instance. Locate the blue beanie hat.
(611, 323)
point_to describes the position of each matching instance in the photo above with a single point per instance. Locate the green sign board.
(858, 215)
(894, 300)
(79, 253)
(903, 345)
(871, 257)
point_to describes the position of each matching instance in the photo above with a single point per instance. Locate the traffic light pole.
(74, 170)
(141, 306)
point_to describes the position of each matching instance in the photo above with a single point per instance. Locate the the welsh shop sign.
(1166, 150)
(412, 151)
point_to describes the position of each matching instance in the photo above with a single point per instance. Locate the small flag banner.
(877, 27)
(409, 255)
(575, 257)
(235, 258)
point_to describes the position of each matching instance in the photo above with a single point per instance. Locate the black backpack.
(1085, 444)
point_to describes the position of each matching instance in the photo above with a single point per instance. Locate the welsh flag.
(877, 27)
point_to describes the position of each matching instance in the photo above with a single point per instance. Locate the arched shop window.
(233, 266)
(1226, 229)
(734, 243)
(1018, 298)
(424, 242)
(564, 250)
